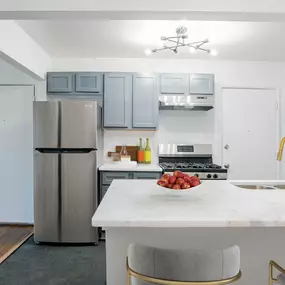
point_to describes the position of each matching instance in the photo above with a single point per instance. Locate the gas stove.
(195, 159)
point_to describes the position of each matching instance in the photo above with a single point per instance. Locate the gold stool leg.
(273, 264)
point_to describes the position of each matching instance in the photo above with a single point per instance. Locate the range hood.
(186, 103)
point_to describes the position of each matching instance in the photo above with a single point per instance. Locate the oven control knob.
(215, 176)
(209, 175)
(196, 174)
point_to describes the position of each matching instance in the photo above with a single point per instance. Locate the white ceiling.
(129, 38)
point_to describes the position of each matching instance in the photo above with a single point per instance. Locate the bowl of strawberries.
(179, 182)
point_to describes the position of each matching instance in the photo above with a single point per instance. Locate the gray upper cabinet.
(173, 83)
(89, 82)
(201, 84)
(117, 100)
(59, 82)
(145, 101)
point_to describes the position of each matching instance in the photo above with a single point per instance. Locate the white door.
(16, 154)
(250, 141)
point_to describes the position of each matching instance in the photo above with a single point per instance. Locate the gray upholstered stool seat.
(281, 279)
(182, 265)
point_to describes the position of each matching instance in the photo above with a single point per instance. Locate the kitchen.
(237, 73)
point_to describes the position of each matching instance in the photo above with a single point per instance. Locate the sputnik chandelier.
(178, 41)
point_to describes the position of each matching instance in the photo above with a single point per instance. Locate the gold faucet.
(280, 151)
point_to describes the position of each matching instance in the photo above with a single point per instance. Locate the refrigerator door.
(46, 125)
(79, 197)
(46, 195)
(79, 124)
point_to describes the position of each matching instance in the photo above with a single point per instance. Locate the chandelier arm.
(177, 37)
(172, 41)
(199, 45)
(199, 42)
(203, 49)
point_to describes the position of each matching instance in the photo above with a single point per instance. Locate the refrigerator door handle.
(60, 171)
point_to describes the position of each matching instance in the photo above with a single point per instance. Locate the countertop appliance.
(68, 138)
(193, 159)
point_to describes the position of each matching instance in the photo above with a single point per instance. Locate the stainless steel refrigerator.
(68, 141)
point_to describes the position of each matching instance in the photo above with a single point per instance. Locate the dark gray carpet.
(35, 264)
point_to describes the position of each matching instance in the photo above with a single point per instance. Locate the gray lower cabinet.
(147, 175)
(145, 101)
(117, 100)
(173, 83)
(103, 191)
(59, 82)
(106, 178)
(89, 82)
(201, 84)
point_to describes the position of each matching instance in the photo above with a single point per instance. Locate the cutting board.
(131, 149)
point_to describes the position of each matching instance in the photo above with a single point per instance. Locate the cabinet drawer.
(108, 177)
(147, 175)
(103, 191)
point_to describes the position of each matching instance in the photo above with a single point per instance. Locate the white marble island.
(215, 214)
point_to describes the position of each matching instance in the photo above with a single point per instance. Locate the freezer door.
(46, 125)
(79, 197)
(46, 195)
(78, 124)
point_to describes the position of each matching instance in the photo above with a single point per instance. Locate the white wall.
(22, 49)
(12, 75)
(186, 126)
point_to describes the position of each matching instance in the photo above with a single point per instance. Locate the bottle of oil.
(147, 153)
(140, 152)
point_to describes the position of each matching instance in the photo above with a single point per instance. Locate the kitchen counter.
(138, 167)
(214, 215)
(134, 203)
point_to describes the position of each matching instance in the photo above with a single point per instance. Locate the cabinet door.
(103, 191)
(108, 177)
(145, 101)
(147, 175)
(89, 82)
(173, 83)
(59, 82)
(201, 84)
(118, 100)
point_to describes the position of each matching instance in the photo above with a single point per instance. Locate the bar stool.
(182, 267)
(280, 278)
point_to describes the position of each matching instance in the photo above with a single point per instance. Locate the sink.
(263, 187)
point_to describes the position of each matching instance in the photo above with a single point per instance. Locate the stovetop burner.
(193, 159)
(189, 165)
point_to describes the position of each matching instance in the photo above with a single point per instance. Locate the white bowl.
(179, 192)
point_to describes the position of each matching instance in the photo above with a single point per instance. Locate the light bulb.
(213, 52)
(148, 51)
(192, 49)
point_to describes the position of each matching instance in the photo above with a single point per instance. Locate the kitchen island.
(215, 214)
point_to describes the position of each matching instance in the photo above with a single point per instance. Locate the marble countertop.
(138, 167)
(142, 203)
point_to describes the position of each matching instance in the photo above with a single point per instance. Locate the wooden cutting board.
(131, 149)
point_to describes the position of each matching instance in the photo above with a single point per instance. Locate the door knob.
(227, 165)
(226, 146)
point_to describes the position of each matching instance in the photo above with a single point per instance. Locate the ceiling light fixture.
(173, 43)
